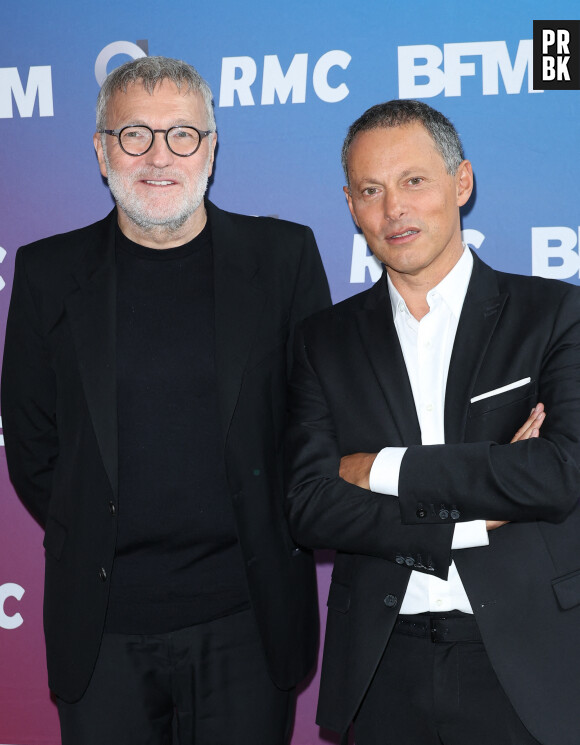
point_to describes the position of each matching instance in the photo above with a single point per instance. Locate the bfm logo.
(10, 590)
(38, 88)
(363, 260)
(426, 70)
(554, 252)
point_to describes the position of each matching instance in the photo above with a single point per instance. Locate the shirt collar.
(452, 288)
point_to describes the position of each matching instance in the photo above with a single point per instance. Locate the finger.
(535, 420)
(525, 426)
(534, 427)
(532, 430)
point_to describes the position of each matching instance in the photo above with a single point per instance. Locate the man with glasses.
(143, 400)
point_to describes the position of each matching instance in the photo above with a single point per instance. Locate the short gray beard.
(136, 211)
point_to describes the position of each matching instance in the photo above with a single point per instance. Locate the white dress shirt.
(427, 345)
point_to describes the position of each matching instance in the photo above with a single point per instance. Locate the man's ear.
(212, 149)
(98, 143)
(464, 182)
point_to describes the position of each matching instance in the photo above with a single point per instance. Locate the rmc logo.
(38, 88)
(239, 75)
(10, 590)
(426, 70)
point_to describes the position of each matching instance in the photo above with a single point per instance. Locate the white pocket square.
(503, 389)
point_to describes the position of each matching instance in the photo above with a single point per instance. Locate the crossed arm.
(356, 468)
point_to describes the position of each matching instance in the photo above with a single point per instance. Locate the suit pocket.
(507, 398)
(338, 597)
(54, 538)
(567, 589)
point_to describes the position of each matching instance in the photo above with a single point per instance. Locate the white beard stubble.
(145, 216)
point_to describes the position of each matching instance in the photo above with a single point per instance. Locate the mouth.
(404, 234)
(152, 182)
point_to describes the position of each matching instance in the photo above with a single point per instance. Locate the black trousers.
(204, 685)
(437, 689)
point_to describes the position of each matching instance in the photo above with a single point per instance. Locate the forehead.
(167, 104)
(393, 148)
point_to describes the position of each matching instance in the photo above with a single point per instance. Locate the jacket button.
(400, 559)
(443, 513)
(410, 561)
(455, 514)
(390, 601)
(112, 508)
(103, 574)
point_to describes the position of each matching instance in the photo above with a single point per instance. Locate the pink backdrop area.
(28, 715)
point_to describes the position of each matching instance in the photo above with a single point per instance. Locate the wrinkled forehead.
(410, 140)
(142, 103)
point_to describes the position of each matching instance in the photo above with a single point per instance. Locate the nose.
(159, 155)
(393, 207)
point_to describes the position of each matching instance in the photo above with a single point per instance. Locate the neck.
(162, 236)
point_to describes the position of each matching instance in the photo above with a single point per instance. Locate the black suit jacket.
(60, 425)
(350, 393)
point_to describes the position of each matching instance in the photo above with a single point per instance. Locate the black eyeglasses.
(138, 139)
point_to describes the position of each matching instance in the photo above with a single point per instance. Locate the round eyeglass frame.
(118, 132)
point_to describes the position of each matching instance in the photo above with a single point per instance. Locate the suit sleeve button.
(410, 561)
(390, 601)
(103, 574)
(443, 514)
(455, 514)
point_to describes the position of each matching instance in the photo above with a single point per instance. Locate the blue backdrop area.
(287, 82)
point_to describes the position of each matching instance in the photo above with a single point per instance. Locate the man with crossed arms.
(454, 607)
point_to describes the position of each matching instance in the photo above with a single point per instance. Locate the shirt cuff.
(470, 535)
(384, 475)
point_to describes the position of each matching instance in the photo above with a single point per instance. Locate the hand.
(531, 427)
(493, 524)
(356, 468)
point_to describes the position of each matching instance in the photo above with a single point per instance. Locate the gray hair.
(149, 71)
(399, 112)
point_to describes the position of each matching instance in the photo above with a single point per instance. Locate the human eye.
(135, 133)
(415, 181)
(370, 191)
(180, 133)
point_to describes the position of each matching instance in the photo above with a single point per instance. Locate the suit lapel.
(481, 311)
(239, 302)
(381, 343)
(92, 315)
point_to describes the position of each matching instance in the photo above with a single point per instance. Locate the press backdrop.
(288, 78)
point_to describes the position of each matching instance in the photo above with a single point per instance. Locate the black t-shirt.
(178, 561)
